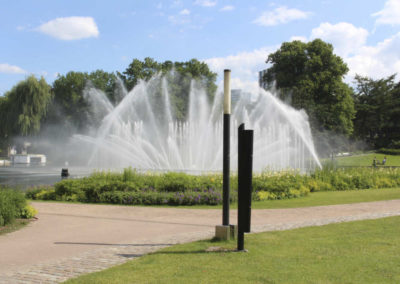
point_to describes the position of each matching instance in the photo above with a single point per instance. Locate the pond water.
(23, 177)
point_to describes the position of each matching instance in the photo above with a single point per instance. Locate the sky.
(48, 38)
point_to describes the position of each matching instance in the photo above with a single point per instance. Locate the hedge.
(131, 187)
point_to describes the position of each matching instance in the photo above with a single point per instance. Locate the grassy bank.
(331, 198)
(365, 160)
(355, 252)
(14, 226)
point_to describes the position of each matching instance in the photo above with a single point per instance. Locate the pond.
(23, 177)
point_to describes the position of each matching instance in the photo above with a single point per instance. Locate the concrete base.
(226, 232)
(223, 232)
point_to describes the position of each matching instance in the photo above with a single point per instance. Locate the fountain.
(142, 131)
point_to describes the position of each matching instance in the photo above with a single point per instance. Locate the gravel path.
(68, 240)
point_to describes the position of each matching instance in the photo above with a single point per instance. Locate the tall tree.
(25, 106)
(179, 76)
(310, 77)
(3, 126)
(69, 105)
(378, 111)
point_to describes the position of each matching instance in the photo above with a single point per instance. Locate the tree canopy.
(23, 108)
(69, 105)
(310, 77)
(378, 111)
(179, 76)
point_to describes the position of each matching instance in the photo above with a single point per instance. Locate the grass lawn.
(366, 160)
(331, 198)
(354, 252)
(16, 225)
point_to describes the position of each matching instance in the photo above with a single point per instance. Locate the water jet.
(143, 131)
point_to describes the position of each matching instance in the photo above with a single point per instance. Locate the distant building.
(261, 81)
(235, 95)
(239, 94)
(29, 159)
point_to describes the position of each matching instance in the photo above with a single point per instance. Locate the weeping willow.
(24, 107)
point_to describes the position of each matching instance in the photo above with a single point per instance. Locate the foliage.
(358, 178)
(70, 107)
(279, 185)
(310, 76)
(28, 212)
(389, 151)
(179, 76)
(378, 111)
(23, 108)
(353, 252)
(322, 198)
(132, 187)
(12, 204)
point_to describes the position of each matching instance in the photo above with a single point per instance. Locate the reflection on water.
(23, 177)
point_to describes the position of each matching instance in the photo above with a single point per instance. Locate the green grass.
(355, 252)
(366, 160)
(331, 198)
(15, 226)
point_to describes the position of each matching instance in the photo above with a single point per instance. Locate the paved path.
(72, 239)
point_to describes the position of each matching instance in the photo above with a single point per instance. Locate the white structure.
(36, 159)
(261, 81)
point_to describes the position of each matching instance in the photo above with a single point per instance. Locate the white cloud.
(349, 42)
(376, 61)
(184, 12)
(178, 20)
(227, 8)
(205, 3)
(390, 14)
(11, 69)
(280, 15)
(299, 38)
(70, 28)
(244, 66)
(345, 38)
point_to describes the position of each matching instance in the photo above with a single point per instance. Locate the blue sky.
(47, 37)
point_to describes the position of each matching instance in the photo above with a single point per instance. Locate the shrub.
(28, 212)
(389, 151)
(11, 204)
(131, 187)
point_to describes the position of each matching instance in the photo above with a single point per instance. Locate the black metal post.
(226, 169)
(245, 179)
(226, 148)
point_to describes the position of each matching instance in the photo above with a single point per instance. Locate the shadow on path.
(128, 220)
(107, 244)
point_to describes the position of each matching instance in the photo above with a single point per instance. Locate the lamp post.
(226, 147)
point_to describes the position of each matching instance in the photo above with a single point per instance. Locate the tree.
(69, 105)
(3, 125)
(25, 106)
(179, 81)
(310, 77)
(140, 70)
(378, 111)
